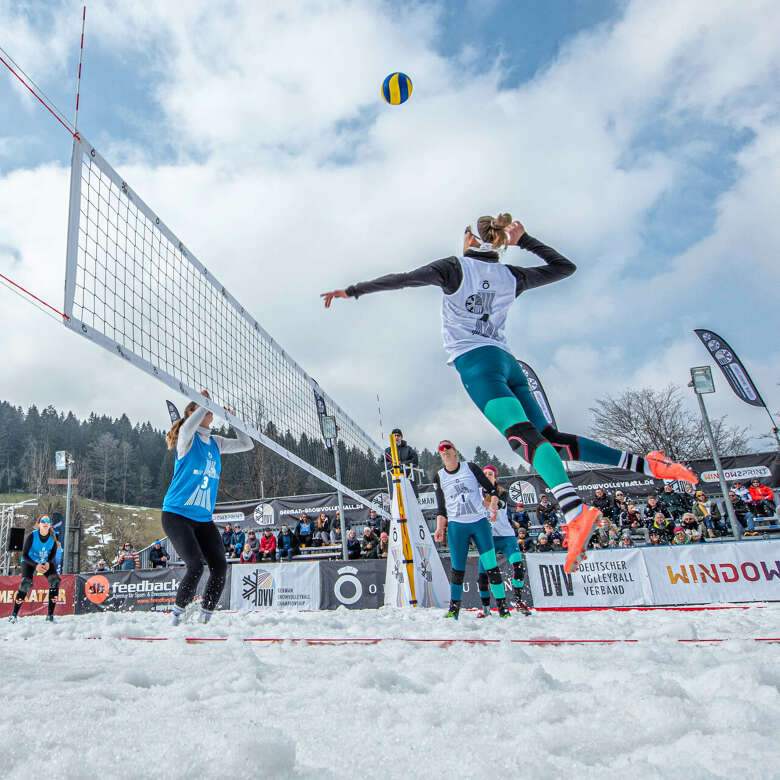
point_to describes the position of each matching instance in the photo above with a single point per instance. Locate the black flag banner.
(538, 392)
(173, 411)
(731, 366)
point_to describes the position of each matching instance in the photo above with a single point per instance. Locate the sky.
(640, 138)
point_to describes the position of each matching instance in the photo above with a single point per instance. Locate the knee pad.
(524, 439)
(25, 586)
(494, 575)
(518, 569)
(54, 582)
(482, 581)
(457, 577)
(566, 444)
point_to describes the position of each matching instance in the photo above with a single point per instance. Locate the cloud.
(286, 175)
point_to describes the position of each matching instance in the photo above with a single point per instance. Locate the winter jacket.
(650, 512)
(368, 545)
(761, 493)
(547, 513)
(673, 504)
(520, 518)
(740, 508)
(666, 529)
(628, 518)
(251, 558)
(255, 545)
(406, 454)
(353, 548)
(156, 556)
(267, 543)
(605, 505)
(286, 541)
(227, 539)
(239, 540)
(129, 560)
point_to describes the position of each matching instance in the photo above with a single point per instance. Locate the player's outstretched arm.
(329, 296)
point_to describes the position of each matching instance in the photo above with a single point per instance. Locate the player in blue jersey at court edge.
(189, 505)
(38, 557)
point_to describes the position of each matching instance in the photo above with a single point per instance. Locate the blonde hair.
(173, 433)
(493, 230)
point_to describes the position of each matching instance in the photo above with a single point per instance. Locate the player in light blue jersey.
(189, 505)
(38, 557)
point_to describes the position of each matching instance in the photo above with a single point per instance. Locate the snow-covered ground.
(74, 706)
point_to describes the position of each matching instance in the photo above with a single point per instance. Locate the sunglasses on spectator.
(443, 447)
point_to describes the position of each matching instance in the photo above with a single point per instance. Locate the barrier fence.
(731, 572)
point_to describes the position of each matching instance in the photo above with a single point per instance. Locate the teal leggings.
(497, 385)
(459, 535)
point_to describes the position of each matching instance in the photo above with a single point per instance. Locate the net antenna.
(135, 289)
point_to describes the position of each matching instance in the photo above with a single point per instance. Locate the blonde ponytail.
(173, 434)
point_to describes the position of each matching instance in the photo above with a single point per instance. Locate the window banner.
(37, 601)
(608, 578)
(147, 590)
(712, 573)
(352, 584)
(276, 586)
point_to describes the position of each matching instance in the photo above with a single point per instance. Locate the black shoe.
(503, 610)
(13, 619)
(50, 618)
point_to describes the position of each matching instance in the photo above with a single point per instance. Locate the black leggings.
(195, 541)
(28, 572)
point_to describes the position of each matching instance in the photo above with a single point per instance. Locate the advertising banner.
(736, 374)
(275, 586)
(37, 601)
(352, 584)
(712, 573)
(146, 590)
(608, 578)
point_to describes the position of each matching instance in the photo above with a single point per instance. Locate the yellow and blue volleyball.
(397, 88)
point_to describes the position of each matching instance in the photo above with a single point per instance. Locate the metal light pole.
(702, 382)
(330, 431)
(62, 459)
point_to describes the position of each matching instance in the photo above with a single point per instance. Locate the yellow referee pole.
(406, 544)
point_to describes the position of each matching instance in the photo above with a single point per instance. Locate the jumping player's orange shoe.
(578, 533)
(663, 468)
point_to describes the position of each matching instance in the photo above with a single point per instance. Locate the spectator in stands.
(604, 527)
(254, 542)
(604, 503)
(655, 537)
(286, 544)
(372, 521)
(304, 530)
(384, 524)
(101, 567)
(520, 518)
(556, 545)
(542, 545)
(625, 541)
(652, 508)
(337, 521)
(620, 497)
(672, 502)
(630, 519)
(680, 536)
(369, 543)
(546, 512)
(762, 499)
(247, 554)
(128, 558)
(335, 534)
(321, 537)
(524, 541)
(267, 547)
(158, 555)
(692, 524)
(353, 545)
(742, 491)
(550, 532)
(239, 540)
(384, 544)
(227, 539)
(701, 513)
(663, 525)
(614, 539)
(744, 515)
(406, 455)
(687, 496)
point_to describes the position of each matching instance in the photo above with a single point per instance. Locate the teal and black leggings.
(459, 535)
(508, 547)
(497, 385)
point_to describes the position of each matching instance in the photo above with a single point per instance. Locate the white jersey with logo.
(462, 495)
(475, 314)
(502, 526)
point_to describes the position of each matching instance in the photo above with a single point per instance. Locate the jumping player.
(505, 542)
(38, 555)
(478, 292)
(461, 515)
(189, 505)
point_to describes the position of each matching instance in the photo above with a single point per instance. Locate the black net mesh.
(131, 281)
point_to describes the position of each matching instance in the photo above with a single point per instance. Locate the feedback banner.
(275, 586)
(37, 601)
(608, 578)
(711, 573)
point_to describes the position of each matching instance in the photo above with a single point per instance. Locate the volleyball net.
(135, 289)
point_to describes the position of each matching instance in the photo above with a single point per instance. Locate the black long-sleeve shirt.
(447, 273)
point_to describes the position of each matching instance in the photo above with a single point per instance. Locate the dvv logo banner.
(275, 586)
(608, 578)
